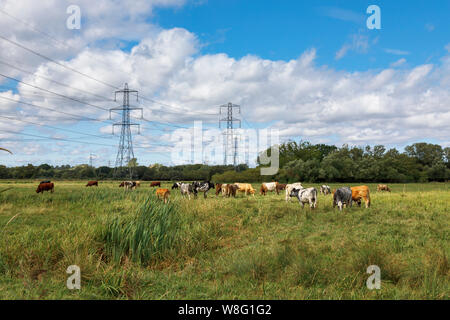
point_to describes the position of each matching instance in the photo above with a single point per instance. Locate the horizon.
(312, 71)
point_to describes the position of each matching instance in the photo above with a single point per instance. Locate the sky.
(310, 70)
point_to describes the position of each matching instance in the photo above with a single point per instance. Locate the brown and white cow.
(268, 186)
(383, 187)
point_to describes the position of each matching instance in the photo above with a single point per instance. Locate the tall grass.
(148, 235)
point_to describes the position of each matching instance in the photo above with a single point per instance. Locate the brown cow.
(218, 188)
(361, 192)
(163, 193)
(92, 183)
(48, 186)
(231, 190)
(280, 186)
(155, 184)
(383, 187)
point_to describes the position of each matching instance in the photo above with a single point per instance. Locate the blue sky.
(282, 30)
(302, 67)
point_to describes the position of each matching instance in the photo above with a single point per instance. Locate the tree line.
(302, 161)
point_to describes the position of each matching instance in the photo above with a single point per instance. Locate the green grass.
(129, 245)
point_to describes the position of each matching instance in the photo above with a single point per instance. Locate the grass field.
(131, 246)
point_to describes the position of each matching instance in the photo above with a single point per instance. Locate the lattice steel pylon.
(230, 145)
(125, 152)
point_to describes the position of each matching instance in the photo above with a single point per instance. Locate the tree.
(427, 153)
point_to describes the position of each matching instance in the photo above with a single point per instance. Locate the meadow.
(129, 245)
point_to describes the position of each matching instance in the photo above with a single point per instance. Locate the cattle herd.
(343, 196)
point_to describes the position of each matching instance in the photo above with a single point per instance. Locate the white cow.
(289, 189)
(305, 195)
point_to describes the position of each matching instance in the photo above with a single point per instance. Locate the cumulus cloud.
(298, 96)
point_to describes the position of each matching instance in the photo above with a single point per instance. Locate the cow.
(138, 184)
(280, 187)
(224, 189)
(204, 187)
(128, 185)
(218, 188)
(187, 189)
(46, 186)
(361, 192)
(163, 194)
(231, 190)
(290, 187)
(342, 196)
(155, 184)
(176, 185)
(383, 187)
(245, 187)
(268, 186)
(92, 183)
(324, 189)
(46, 181)
(305, 195)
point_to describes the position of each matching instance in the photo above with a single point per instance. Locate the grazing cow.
(155, 184)
(342, 196)
(163, 194)
(280, 187)
(218, 188)
(361, 192)
(224, 189)
(324, 189)
(92, 183)
(176, 185)
(268, 186)
(46, 181)
(185, 189)
(46, 186)
(204, 187)
(383, 187)
(246, 187)
(305, 195)
(231, 190)
(290, 187)
(128, 185)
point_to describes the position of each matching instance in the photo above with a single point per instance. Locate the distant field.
(219, 248)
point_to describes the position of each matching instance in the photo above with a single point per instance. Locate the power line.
(90, 77)
(56, 62)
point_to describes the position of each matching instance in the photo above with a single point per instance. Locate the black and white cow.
(305, 195)
(204, 187)
(324, 189)
(176, 185)
(342, 196)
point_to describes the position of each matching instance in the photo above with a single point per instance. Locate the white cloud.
(399, 62)
(297, 96)
(397, 52)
